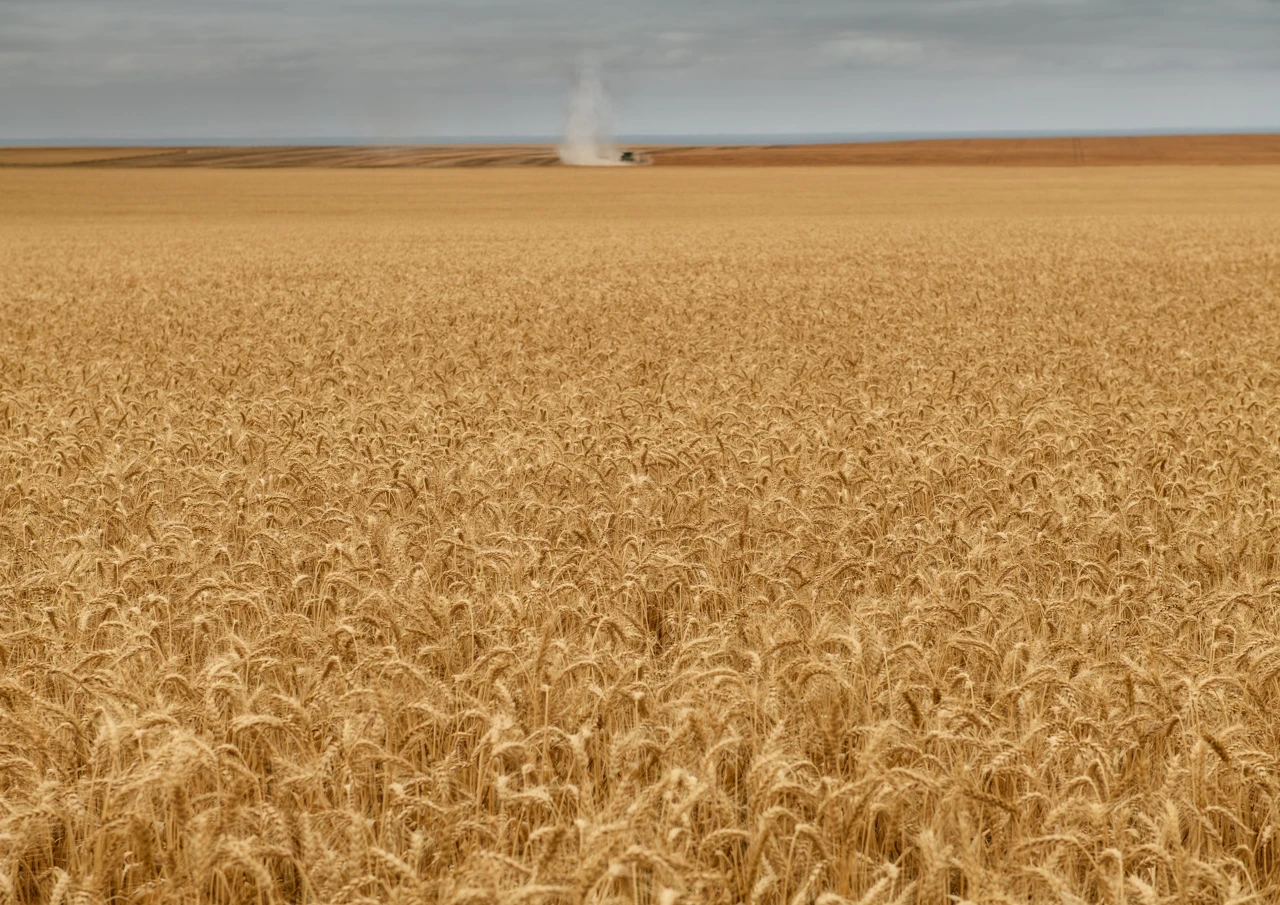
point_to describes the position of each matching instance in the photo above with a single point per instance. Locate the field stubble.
(640, 537)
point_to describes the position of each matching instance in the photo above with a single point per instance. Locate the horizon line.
(672, 138)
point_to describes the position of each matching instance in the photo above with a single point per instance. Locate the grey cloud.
(501, 65)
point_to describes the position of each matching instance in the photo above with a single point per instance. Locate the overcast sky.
(368, 69)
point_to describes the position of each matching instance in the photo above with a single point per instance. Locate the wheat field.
(656, 536)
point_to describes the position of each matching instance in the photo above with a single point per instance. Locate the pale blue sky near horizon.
(176, 70)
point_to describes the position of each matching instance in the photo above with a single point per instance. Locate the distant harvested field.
(58, 157)
(298, 156)
(801, 536)
(1054, 152)
(1193, 149)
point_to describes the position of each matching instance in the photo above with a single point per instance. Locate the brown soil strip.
(1114, 151)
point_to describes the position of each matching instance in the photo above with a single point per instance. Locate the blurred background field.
(1117, 150)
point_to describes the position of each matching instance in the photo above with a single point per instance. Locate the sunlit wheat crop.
(640, 537)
